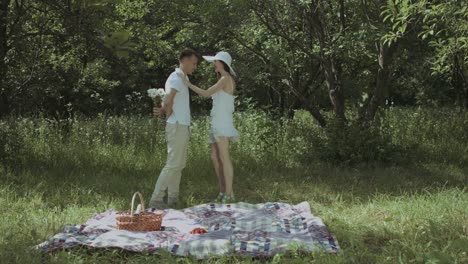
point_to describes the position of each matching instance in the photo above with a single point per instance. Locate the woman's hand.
(186, 82)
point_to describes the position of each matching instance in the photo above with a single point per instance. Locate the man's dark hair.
(187, 53)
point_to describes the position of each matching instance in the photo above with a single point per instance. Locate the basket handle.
(133, 202)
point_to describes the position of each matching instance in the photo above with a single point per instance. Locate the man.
(177, 111)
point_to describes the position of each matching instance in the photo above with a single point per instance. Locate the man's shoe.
(158, 205)
(172, 202)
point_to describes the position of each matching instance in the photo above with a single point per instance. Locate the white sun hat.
(222, 56)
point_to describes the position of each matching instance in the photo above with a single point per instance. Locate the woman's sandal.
(219, 198)
(228, 199)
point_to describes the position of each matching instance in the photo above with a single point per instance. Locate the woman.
(222, 124)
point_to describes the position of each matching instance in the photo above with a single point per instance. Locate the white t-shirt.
(181, 107)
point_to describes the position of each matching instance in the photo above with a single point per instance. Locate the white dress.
(222, 121)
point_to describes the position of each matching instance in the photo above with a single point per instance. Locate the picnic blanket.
(259, 230)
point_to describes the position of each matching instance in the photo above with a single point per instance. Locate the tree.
(398, 18)
(446, 29)
(4, 7)
(305, 27)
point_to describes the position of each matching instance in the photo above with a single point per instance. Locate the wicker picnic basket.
(145, 221)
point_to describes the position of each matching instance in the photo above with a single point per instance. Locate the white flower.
(161, 92)
(153, 92)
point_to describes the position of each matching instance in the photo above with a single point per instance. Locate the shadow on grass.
(253, 182)
(322, 185)
(325, 184)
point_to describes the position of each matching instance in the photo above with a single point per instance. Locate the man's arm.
(167, 105)
(169, 102)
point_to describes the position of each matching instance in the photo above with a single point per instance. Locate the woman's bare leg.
(226, 164)
(217, 167)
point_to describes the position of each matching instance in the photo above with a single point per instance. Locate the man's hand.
(158, 112)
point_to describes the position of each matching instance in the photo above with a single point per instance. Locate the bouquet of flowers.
(157, 95)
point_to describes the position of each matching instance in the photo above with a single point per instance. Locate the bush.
(398, 136)
(11, 144)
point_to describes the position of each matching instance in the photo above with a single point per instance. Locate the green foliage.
(70, 50)
(398, 136)
(442, 25)
(446, 29)
(401, 14)
(353, 144)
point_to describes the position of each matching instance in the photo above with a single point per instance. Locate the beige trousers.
(177, 138)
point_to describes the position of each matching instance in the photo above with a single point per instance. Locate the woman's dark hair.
(225, 67)
(187, 53)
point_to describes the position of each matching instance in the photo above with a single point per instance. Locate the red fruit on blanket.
(198, 230)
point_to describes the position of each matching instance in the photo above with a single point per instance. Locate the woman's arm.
(210, 91)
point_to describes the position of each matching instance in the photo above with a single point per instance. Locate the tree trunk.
(466, 97)
(459, 81)
(312, 108)
(381, 87)
(342, 16)
(335, 88)
(331, 65)
(4, 6)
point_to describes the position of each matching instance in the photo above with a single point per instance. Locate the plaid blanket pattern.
(259, 230)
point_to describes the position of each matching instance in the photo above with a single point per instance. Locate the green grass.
(414, 211)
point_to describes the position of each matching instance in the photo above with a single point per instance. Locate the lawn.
(411, 207)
